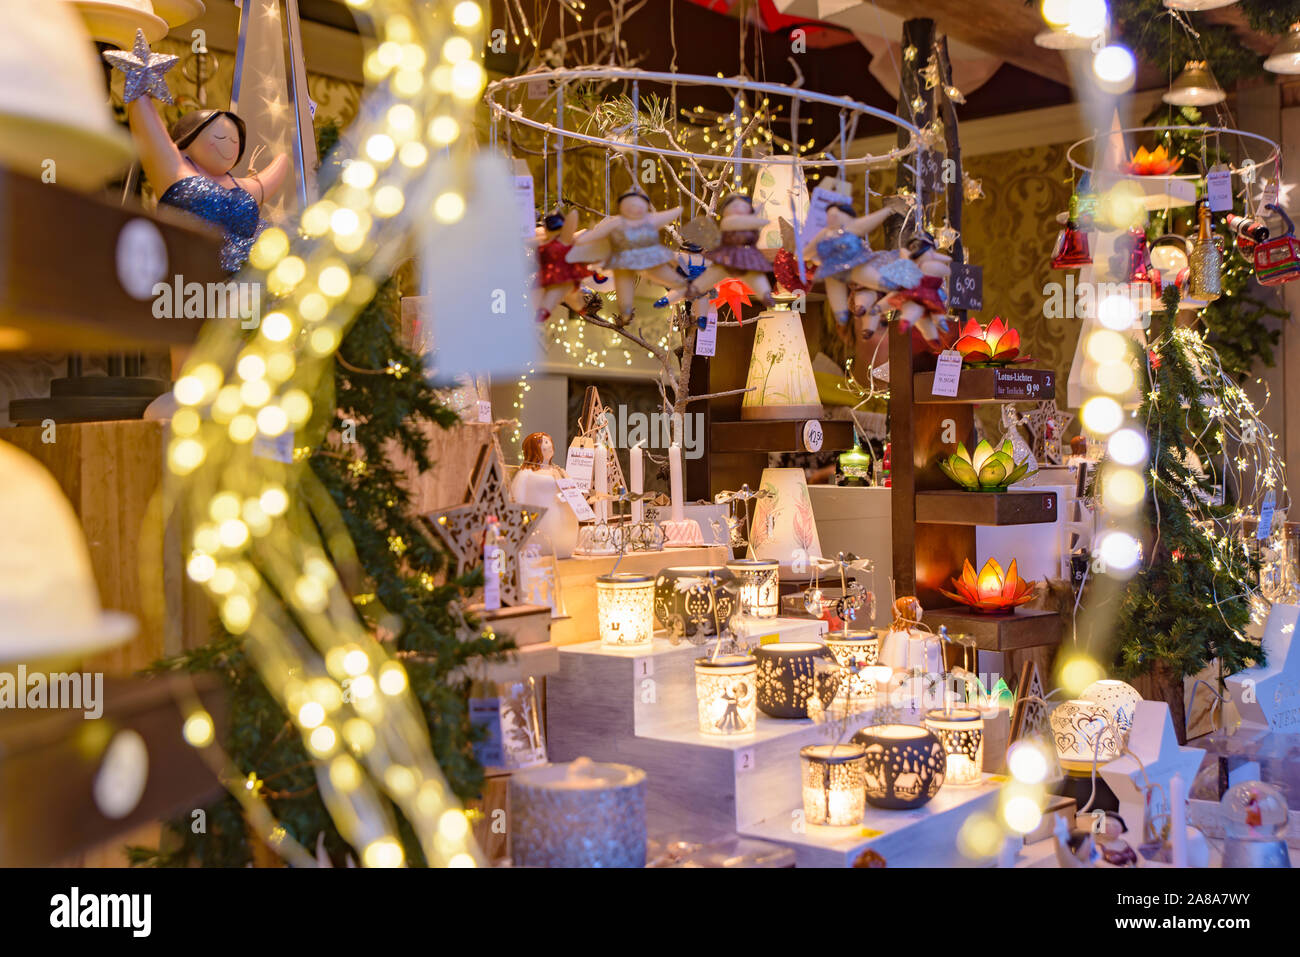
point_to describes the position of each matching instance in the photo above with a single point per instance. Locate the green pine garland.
(1188, 604)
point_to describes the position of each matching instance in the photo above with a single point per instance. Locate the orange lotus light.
(1157, 162)
(996, 344)
(991, 591)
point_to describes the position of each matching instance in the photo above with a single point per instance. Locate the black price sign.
(966, 287)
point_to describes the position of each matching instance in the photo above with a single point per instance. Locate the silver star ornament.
(143, 69)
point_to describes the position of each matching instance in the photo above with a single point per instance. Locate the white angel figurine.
(628, 244)
(840, 248)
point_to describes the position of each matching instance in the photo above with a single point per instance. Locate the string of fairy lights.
(252, 542)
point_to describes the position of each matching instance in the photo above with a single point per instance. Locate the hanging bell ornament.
(1071, 250)
(1143, 278)
(1206, 261)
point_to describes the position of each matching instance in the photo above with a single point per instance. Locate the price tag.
(947, 374)
(573, 496)
(486, 712)
(870, 832)
(484, 411)
(1218, 189)
(706, 340)
(493, 562)
(538, 89)
(580, 464)
(813, 434)
(769, 639)
(524, 203)
(744, 760)
(278, 449)
(966, 287)
(1265, 528)
(141, 258)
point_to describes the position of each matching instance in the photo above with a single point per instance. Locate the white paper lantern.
(783, 528)
(780, 381)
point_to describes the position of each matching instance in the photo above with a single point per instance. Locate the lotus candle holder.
(996, 344)
(992, 591)
(1156, 162)
(987, 470)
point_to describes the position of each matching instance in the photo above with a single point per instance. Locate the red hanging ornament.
(1143, 278)
(786, 268)
(1071, 250)
(1278, 260)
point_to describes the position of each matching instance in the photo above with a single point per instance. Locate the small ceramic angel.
(628, 244)
(559, 280)
(924, 302)
(840, 248)
(732, 252)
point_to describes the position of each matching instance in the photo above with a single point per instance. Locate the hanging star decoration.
(462, 526)
(932, 135)
(971, 187)
(1048, 418)
(945, 237)
(143, 69)
(734, 293)
(930, 73)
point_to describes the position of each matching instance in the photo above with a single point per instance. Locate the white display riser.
(638, 707)
(924, 837)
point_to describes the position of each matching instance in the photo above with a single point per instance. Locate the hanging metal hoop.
(1246, 166)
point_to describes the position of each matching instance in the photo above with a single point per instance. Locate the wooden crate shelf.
(957, 507)
(776, 435)
(1022, 629)
(989, 385)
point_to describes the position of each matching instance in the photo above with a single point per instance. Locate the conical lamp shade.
(1195, 86)
(56, 108)
(1285, 57)
(780, 381)
(784, 529)
(115, 21)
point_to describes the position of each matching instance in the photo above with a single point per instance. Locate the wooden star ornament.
(144, 70)
(462, 526)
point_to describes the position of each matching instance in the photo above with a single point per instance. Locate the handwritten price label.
(706, 340)
(947, 374)
(813, 435)
(572, 495)
(966, 287)
(1218, 189)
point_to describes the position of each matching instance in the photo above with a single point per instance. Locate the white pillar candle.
(600, 482)
(675, 480)
(638, 482)
(1178, 821)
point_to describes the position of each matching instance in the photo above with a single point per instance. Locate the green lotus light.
(988, 470)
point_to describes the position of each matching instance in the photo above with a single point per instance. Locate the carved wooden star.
(462, 526)
(144, 70)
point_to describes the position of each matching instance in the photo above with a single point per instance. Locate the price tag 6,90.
(947, 374)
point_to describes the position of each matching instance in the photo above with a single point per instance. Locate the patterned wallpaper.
(1011, 232)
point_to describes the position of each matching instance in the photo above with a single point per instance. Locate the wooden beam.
(1004, 29)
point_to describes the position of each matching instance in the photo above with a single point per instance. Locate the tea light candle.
(1084, 732)
(625, 609)
(758, 585)
(961, 732)
(834, 784)
(725, 694)
(861, 647)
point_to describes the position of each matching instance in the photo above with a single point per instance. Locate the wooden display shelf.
(49, 761)
(1021, 629)
(989, 385)
(957, 507)
(776, 435)
(60, 279)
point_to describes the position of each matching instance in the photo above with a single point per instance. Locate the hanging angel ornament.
(559, 280)
(732, 251)
(1020, 450)
(840, 249)
(628, 243)
(924, 302)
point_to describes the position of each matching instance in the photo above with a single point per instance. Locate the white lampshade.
(53, 105)
(1198, 4)
(49, 602)
(1084, 731)
(176, 12)
(784, 528)
(780, 370)
(1118, 697)
(116, 21)
(1285, 57)
(1195, 86)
